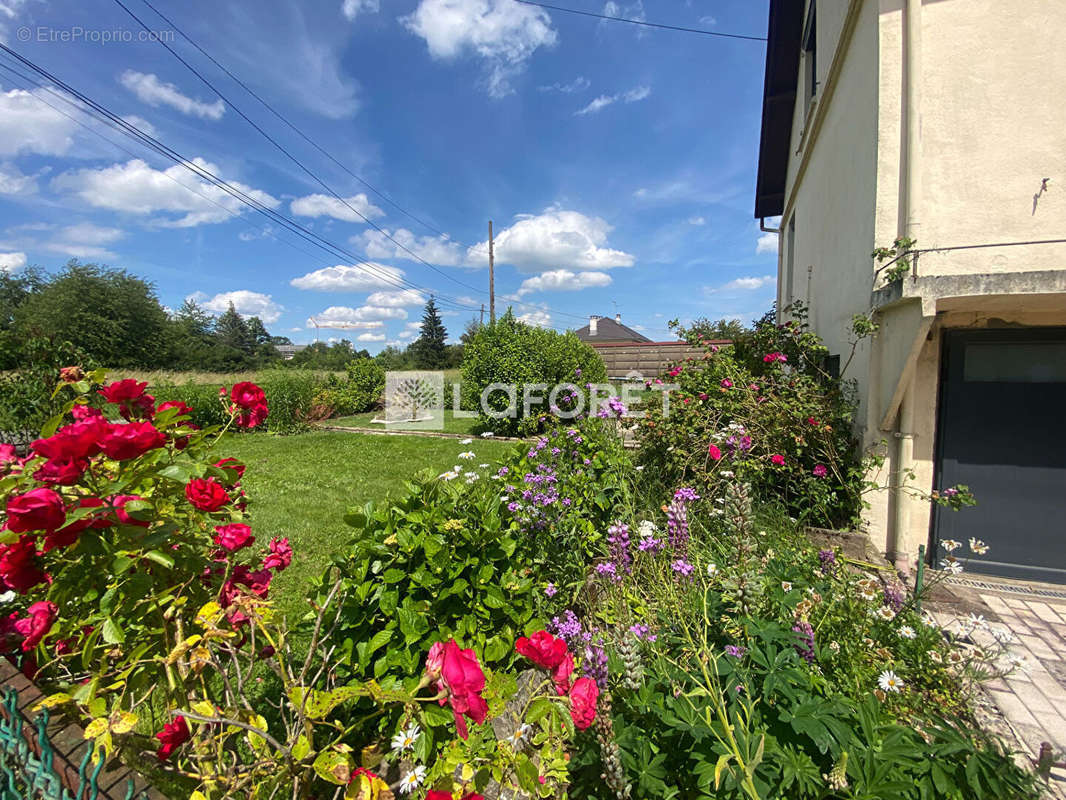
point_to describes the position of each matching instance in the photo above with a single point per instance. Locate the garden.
(309, 614)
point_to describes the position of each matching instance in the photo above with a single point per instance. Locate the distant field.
(163, 376)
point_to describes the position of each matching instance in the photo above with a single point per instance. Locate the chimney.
(592, 324)
(617, 317)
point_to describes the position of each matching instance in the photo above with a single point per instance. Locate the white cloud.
(438, 250)
(539, 319)
(362, 317)
(345, 278)
(697, 221)
(149, 89)
(27, 125)
(578, 84)
(84, 240)
(353, 8)
(632, 96)
(397, 299)
(554, 240)
(708, 21)
(141, 124)
(323, 205)
(9, 262)
(563, 280)
(245, 302)
(136, 188)
(12, 181)
(767, 243)
(371, 337)
(502, 33)
(746, 284)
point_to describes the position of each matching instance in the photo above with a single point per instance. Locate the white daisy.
(907, 632)
(405, 739)
(647, 529)
(412, 780)
(786, 586)
(466, 441)
(934, 656)
(482, 466)
(929, 620)
(519, 735)
(889, 681)
(467, 455)
(712, 570)
(978, 547)
(951, 565)
(885, 613)
(640, 468)
(451, 474)
(487, 435)
(978, 621)
(950, 545)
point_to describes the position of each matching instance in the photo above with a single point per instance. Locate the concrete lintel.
(902, 334)
(931, 288)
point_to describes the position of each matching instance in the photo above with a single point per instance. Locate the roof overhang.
(784, 34)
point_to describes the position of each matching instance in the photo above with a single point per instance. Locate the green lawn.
(468, 426)
(300, 487)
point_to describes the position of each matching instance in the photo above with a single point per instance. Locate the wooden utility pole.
(492, 280)
(482, 315)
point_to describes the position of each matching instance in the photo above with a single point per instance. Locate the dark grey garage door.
(1002, 432)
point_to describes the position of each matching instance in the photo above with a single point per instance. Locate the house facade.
(939, 122)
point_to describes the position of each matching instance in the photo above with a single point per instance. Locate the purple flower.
(566, 502)
(682, 567)
(677, 518)
(594, 665)
(827, 560)
(819, 471)
(736, 651)
(550, 590)
(894, 597)
(503, 471)
(568, 628)
(805, 640)
(606, 568)
(618, 538)
(512, 507)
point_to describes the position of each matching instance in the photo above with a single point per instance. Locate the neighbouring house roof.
(610, 330)
(785, 32)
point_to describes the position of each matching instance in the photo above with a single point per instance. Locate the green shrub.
(767, 412)
(202, 397)
(26, 393)
(512, 352)
(290, 395)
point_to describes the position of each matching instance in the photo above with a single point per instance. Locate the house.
(287, 351)
(934, 121)
(601, 330)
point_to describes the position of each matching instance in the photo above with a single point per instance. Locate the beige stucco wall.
(991, 128)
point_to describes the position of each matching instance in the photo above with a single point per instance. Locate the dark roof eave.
(784, 32)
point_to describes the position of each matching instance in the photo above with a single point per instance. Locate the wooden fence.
(650, 359)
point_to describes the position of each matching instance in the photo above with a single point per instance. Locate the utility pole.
(482, 322)
(492, 280)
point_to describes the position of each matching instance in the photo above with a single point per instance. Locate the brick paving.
(1033, 699)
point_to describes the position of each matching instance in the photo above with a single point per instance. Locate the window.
(810, 60)
(790, 259)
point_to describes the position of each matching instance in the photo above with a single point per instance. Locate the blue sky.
(616, 161)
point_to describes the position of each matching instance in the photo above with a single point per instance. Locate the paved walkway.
(1033, 698)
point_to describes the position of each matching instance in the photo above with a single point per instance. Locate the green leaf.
(112, 633)
(333, 767)
(160, 558)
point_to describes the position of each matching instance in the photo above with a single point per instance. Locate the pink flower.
(726, 383)
(8, 454)
(119, 502)
(583, 696)
(173, 735)
(233, 537)
(280, 555)
(561, 675)
(714, 452)
(42, 615)
(542, 649)
(36, 510)
(777, 460)
(19, 568)
(819, 471)
(459, 674)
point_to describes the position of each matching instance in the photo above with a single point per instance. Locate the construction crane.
(331, 324)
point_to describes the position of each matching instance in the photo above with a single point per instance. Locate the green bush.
(290, 395)
(201, 397)
(26, 393)
(766, 412)
(512, 352)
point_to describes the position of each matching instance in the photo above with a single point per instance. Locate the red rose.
(714, 452)
(777, 460)
(561, 675)
(247, 395)
(183, 409)
(233, 537)
(42, 615)
(123, 391)
(256, 415)
(8, 454)
(74, 441)
(258, 583)
(583, 696)
(232, 464)
(173, 735)
(19, 570)
(542, 649)
(69, 533)
(82, 413)
(64, 472)
(437, 794)
(119, 502)
(280, 555)
(38, 510)
(461, 677)
(206, 494)
(71, 374)
(123, 442)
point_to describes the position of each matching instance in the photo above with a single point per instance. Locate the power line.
(294, 227)
(297, 130)
(307, 170)
(644, 23)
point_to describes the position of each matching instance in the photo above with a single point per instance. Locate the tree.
(114, 317)
(430, 350)
(732, 330)
(232, 331)
(258, 330)
(473, 325)
(14, 292)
